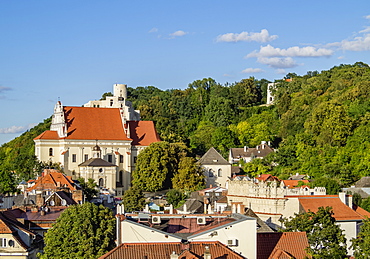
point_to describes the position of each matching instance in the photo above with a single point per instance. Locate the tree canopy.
(81, 231)
(159, 163)
(325, 238)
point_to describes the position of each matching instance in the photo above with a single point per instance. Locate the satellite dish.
(52, 203)
(64, 202)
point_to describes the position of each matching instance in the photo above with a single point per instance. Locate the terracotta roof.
(143, 133)
(163, 250)
(293, 183)
(90, 123)
(282, 245)
(361, 211)
(52, 180)
(48, 134)
(341, 211)
(266, 177)
(212, 157)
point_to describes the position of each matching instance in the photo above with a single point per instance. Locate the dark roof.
(363, 182)
(259, 151)
(192, 206)
(282, 245)
(262, 227)
(96, 162)
(212, 157)
(159, 250)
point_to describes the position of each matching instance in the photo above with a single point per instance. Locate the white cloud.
(178, 34)
(269, 51)
(16, 129)
(357, 44)
(276, 62)
(341, 57)
(262, 36)
(153, 30)
(252, 70)
(367, 17)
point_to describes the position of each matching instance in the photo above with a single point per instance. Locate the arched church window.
(50, 151)
(101, 182)
(210, 173)
(219, 173)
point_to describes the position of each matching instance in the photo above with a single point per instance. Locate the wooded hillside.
(319, 123)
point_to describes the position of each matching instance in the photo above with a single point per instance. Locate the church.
(100, 140)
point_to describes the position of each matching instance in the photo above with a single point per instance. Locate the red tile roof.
(48, 134)
(94, 123)
(266, 177)
(282, 245)
(52, 180)
(103, 124)
(341, 211)
(293, 183)
(160, 250)
(143, 133)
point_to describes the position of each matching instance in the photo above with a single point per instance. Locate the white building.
(236, 231)
(215, 168)
(110, 124)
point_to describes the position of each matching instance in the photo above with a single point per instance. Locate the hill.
(319, 123)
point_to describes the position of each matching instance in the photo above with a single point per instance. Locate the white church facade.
(100, 140)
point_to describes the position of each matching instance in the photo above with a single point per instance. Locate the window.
(110, 158)
(121, 159)
(50, 151)
(210, 173)
(111, 102)
(2, 242)
(101, 182)
(135, 159)
(219, 173)
(74, 158)
(86, 157)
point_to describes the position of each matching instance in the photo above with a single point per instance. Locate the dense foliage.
(82, 231)
(319, 123)
(325, 238)
(133, 199)
(361, 244)
(164, 165)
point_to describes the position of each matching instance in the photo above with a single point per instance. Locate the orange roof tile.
(4, 228)
(281, 245)
(265, 177)
(94, 123)
(163, 250)
(143, 133)
(341, 211)
(52, 180)
(361, 211)
(48, 134)
(293, 183)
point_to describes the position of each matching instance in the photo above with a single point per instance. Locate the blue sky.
(76, 50)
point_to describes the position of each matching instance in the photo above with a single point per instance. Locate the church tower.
(58, 122)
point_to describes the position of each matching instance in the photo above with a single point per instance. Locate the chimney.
(207, 253)
(245, 148)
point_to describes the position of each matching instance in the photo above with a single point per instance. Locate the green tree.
(133, 199)
(157, 164)
(89, 188)
(332, 186)
(361, 244)
(325, 238)
(175, 197)
(189, 176)
(81, 231)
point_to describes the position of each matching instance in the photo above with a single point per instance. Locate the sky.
(74, 51)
